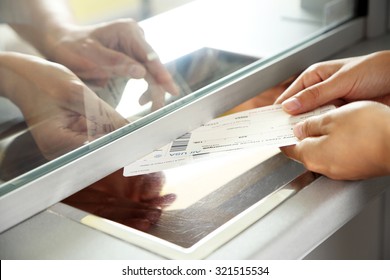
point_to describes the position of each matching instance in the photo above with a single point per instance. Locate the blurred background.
(89, 11)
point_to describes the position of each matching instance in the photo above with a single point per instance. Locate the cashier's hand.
(339, 82)
(132, 201)
(350, 142)
(98, 53)
(61, 112)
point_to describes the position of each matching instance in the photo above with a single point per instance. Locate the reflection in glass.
(190, 73)
(53, 84)
(85, 70)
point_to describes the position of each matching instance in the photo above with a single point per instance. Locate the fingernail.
(298, 132)
(137, 71)
(291, 104)
(152, 56)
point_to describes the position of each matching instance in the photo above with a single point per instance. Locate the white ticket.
(265, 126)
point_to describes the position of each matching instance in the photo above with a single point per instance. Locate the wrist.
(53, 36)
(45, 23)
(12, 66)
(52, 22)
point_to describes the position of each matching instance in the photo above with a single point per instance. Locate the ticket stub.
(265, 126)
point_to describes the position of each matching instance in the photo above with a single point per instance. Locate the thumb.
(311, 127)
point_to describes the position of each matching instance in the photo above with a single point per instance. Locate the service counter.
(247, 205)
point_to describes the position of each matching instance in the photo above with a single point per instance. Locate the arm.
(37, 21)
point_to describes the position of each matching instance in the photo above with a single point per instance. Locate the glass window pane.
(76, 75)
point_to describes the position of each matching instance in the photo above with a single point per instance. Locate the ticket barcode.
(181, 143)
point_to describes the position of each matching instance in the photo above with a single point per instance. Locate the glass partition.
(78, 75)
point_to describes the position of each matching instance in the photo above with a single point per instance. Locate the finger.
(309, 152)
(158, 96)
(161, 201)
(312, 88)
(140, 49)
(313, 97)
(315, 74)
(155, 93)
(145, 54)
(152, 187)
(93, 75)
(304, 80)
(162, 76)
(312, 127)
(145, 98)
(115, 63)
(140, 224)
(302, 151)
(291, 152)
(135, 46)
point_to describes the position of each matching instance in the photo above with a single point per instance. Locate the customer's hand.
(351, 142)
(61, 112)
(98, 53)
(340, 81)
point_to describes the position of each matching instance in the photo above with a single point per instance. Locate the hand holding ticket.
(265, 126)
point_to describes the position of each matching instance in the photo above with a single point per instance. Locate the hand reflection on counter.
(133, 201)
